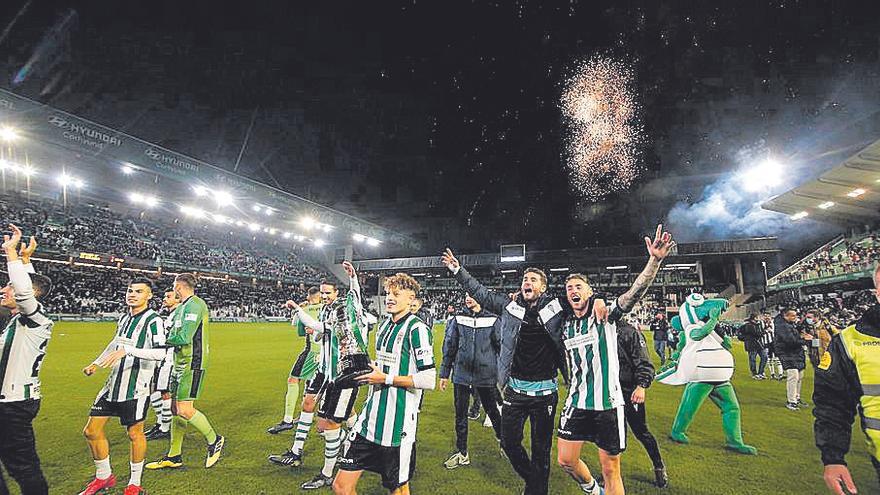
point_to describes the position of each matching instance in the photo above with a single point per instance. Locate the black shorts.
(337, 403)
(129, 412)
(395, 465)
(316, 385)
(606, 429)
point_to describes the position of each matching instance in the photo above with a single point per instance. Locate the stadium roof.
(848, 194)
(51, 143)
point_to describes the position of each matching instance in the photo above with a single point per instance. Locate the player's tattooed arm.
(658, 249)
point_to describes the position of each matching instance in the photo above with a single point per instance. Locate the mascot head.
(695, 311)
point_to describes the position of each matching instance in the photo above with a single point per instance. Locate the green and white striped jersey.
(390, 414)
(23, 342)
(594, 369)
(130, 378)
(347, 313)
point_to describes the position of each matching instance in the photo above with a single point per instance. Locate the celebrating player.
(137, 347)
(384, 436)
(22, 349)
(594, 406)
(189, 337)
(160, 398)
(336, 403)
(306, 363)
(530, 357)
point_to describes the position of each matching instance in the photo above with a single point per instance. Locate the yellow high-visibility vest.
(864, 350)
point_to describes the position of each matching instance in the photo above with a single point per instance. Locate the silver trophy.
(353, 358)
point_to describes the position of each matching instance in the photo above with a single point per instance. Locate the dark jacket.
(751, 336)
(426, 317)
(837, 392)
(551, 315)
(660, 328)
(470, 349)
(636, 368)
(788, 345)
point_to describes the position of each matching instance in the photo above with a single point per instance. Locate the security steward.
(848, 381)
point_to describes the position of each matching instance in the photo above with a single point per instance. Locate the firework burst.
(604, 135)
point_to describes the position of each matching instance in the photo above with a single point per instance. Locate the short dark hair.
(189, 279)
(142, 280)
(786, 309)
(329, 282)
(537, 271)
(41, 284)
(313, 291)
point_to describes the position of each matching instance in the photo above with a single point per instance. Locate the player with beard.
(531, 355)
(594, 408)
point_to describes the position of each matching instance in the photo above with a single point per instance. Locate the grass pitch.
(244, 394)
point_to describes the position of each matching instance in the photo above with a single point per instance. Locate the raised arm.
(489, 300)
(657, 251)
(25, 299)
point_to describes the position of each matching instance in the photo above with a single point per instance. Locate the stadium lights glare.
(143, 199)
(3, 164)
(799, 215)
(127, 169)
(191, 211)
(372, 242)
(617, 267)
(273, 231)
(220, 218)
(419, 274)
(68, 180)
(826, 205)
(319, 243)
(8, 134)
(307, 222)
(326, 228)
(287, 235)
(562, 269)
(223, 198)
(26, 170)
(268, 211)
(254, 227)
(200, 190)
(855, 193)
(765, 175)
(508, 271)
(257, 208)
(358, 238)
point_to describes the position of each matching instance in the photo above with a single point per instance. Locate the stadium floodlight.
(319, 242)
(617, 267)
(826, 205)
(26, 170)
(326, 228)
(358, 237)
(273, 231)
(372, 242)
(268, 211)
(855, 193)
(8, 134)
(65, 180)
(256, 208)
(223, 198)
(254, 227)
(127, 169)
(765, 175)
(508, 271)
(239, 223)
(799, 215)
(287, 235)
(151, 201)
(299, 237)
(308, 223)
(192, 211)
(200, 190)
(560, 269)
(136, 197)
(220, 218)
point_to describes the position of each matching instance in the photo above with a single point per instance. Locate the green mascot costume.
(703, 363)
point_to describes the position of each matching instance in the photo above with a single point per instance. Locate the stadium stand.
(841, 259)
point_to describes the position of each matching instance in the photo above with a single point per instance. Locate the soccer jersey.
(23, 342)
(591, 352)
(313, 345)
(390, 414)
(341, 317)
(130, 378)
(189, 334)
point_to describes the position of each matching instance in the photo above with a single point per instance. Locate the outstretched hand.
(25, 251)
(450, 260)
(10, 242)
(349, 269)
(662, 244)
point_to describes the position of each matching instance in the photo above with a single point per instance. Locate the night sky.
(442, 119)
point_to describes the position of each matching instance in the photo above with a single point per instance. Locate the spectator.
(751, 335)
(788, 343)
(660, 329)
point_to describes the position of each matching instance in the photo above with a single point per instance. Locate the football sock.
(290, 401)
(178, 431)
(200, 422)
(302, 431)
(137, 468)
(332, 442)
(102, 469)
